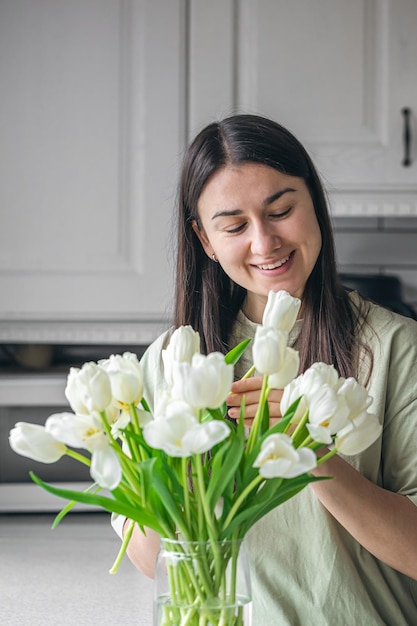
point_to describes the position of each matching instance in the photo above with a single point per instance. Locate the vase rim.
(181, 541)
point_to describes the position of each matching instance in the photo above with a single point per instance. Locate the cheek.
(312, 238)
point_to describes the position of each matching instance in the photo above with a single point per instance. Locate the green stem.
(78, 457)
(135, 451)
(306, 442)
(256, 426)
(255, 482)
(186, 491)
(126, 538)
(299, 426)
(249, 373)
(326, 457)
(202, 493)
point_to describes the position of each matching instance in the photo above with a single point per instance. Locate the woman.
(252, 217)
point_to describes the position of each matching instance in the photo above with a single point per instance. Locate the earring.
(213, 256)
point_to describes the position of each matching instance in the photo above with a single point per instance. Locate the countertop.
(61, 576)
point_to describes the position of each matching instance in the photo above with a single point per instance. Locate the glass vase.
(202, 584)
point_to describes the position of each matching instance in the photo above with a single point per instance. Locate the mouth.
(274, 266)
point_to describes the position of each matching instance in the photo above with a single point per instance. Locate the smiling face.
(262, 227)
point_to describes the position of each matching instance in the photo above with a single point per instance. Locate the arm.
(383, 522)
(143, 549)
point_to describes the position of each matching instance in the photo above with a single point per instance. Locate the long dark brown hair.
(206, 298)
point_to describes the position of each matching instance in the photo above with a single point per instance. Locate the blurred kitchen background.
(99, 99)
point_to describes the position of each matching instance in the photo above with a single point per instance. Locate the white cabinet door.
(337, 73)
(91, 126)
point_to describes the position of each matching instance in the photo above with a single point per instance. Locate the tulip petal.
(358, 435)
(281, 311)
(34, 442)
(105, 468)
(203, 437)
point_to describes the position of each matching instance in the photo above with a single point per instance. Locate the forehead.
(234, 187)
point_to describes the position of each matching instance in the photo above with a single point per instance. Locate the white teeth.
(273, 266)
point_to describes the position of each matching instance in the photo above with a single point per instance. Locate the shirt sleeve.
(399, 441)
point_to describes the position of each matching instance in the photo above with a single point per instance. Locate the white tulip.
(268, 350)
(77, 431)
(126, 381)
(279, 459)
(316, 376)
(358, 434)
(184, 343)
(168, 434)
(327, 409)
(202, 437)
(86, 431)
(281, 311)
(288, 370)
(291, 393)
(88, 389)
(34, 442)
(356, 397)
(203, 383)
(105, 468)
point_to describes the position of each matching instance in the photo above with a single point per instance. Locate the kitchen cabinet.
(99, 98)
(337, 73)
(91, 125)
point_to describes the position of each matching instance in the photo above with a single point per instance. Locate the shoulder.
(381, 324)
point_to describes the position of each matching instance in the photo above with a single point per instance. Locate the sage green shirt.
(306, 568)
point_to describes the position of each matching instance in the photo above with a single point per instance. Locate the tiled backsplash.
(379, 246)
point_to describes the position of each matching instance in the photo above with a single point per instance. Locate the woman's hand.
(251, 389)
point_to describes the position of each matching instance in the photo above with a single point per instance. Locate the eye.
(235, 229)
(281, 214)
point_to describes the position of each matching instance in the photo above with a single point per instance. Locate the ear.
(203, 239)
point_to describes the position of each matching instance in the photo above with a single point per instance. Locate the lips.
(274, 266)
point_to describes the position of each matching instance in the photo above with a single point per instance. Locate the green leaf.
(247, 517)
(166, 497)
(233, 356)
(136, 512)
(71, 505)
(222, 473)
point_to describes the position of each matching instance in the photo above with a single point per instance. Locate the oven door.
(27, 397)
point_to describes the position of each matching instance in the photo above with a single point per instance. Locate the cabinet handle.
(407, 136)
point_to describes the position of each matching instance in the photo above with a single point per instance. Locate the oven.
(31, 389)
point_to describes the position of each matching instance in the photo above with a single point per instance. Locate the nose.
(264, 239)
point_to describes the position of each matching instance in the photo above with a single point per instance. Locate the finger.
(247, 384)
(248, 422)
(251, 409)
(252, 397)
(236, 399)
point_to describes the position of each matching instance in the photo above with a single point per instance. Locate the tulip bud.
(356, 397)
(279, 458)
(203, 383)
(168, 433)
(281, 311)
(184, 343)
(34, 442)
(288, 370)
(125, 375)
(269, 349)
(359, 434)
(88, 389)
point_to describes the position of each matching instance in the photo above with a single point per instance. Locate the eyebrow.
(269, 200)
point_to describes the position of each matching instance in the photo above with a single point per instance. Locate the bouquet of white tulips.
(186, 470)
